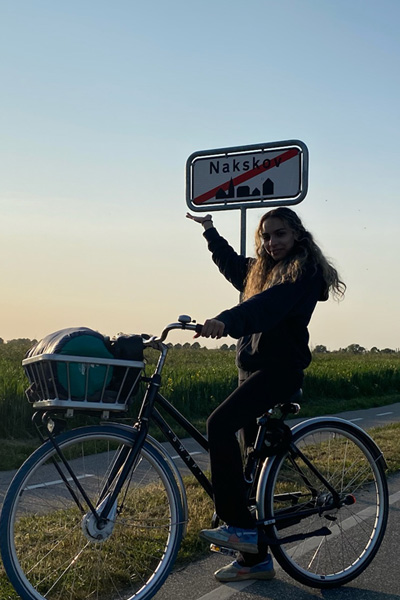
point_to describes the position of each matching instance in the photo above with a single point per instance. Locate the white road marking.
(190, 453)
(384, 414)
(354, 420)
(58, 481)
(55, 482)
(394, 498)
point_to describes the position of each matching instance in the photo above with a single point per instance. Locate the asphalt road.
(371, 417)
(379, 582)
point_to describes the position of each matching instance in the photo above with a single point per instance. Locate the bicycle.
(100, 511)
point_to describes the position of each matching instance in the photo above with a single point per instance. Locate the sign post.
(242, 177)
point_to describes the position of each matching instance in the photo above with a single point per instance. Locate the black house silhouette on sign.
(268, 187)
(243, 191)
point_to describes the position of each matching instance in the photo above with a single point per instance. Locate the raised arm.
(233, 266)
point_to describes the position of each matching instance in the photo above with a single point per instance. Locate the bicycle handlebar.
(191, 326)
(184, 322)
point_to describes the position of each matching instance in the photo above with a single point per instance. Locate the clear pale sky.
(101, 104)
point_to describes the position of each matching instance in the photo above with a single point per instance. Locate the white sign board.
(268, 174)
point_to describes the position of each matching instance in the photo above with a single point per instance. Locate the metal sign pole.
(243, 230)
(242, 238)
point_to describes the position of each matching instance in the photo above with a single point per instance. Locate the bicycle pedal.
(222, 550)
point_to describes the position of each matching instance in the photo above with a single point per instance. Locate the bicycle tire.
(350, 460)
(48, 546)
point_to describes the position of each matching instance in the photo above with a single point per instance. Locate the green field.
(196, 380)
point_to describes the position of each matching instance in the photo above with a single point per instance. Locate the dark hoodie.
(271, 327)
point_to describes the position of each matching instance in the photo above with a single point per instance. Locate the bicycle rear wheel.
(49, 544)
(352, 529)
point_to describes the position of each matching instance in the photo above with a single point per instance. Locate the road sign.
(261, 175)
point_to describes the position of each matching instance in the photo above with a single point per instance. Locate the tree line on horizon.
(25, 343)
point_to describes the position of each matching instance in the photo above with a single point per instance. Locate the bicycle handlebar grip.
(198, 327)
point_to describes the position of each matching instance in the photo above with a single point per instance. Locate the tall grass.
(349, 375)
(15, 412)
(197, 380)
(346, 379)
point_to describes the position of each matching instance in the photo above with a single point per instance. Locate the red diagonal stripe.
(245, 176)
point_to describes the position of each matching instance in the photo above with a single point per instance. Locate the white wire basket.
(81, 383)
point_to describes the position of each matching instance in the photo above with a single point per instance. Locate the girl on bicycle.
(280, 288)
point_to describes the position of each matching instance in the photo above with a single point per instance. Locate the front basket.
(80, 382)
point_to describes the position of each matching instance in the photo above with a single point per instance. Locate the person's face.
(278, 238)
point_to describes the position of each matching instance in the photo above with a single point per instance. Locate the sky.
(101, 105)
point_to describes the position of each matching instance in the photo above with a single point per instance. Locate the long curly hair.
(265, 272)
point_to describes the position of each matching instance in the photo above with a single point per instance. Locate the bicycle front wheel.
(326, 538)
(51, 546)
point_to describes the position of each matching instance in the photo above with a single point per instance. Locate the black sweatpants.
(256, 393)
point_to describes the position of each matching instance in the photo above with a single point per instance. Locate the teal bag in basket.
(76, 341)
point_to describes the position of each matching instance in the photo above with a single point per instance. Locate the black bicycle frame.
(126, 458)
(177, 444)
